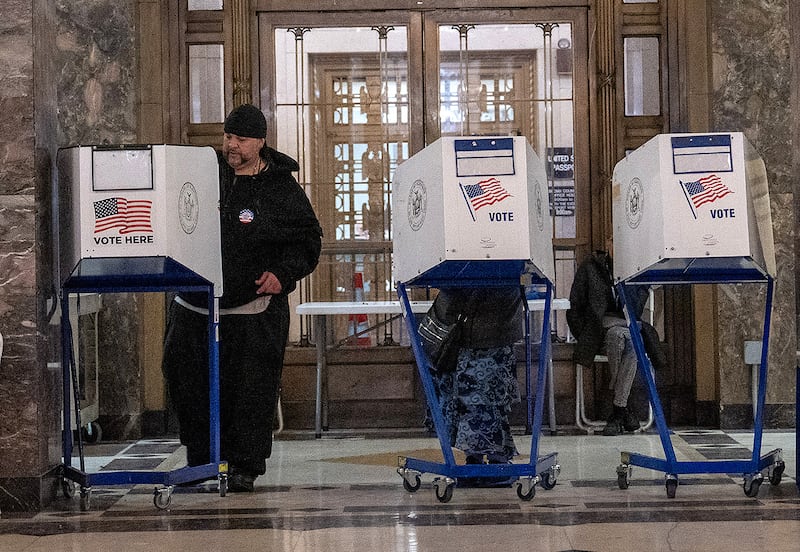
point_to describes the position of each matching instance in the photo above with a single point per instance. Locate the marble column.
(67, 76)
(751, 94)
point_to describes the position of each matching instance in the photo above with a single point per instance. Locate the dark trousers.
(251, 353)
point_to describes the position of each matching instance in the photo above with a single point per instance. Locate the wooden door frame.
(242, 24)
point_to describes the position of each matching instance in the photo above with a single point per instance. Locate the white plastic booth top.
(466, 201)
(692, 207)
(148, 201)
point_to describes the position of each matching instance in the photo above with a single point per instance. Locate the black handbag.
(440, 340)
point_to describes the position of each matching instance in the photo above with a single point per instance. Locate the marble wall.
(21, 375)
(67, 76)
(751, 91)
(96, 57)
(96, 60)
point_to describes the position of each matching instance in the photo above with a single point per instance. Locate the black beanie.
(246, 120)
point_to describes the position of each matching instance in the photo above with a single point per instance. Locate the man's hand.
(268, 284)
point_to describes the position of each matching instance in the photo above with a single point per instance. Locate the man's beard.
(232, 157)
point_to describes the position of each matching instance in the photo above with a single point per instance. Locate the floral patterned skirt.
(476, 400)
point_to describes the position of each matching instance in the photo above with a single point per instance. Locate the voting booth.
(692, 206)
(694, 209)
(474, 212)
(138, 202)
(141, 218)
(471, 199)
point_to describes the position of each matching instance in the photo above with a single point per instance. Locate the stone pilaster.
(751, 94)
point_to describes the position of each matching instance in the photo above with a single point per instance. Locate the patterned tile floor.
(342, 492)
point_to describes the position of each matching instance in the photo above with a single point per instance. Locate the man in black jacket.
(271, 238)
(596, 319)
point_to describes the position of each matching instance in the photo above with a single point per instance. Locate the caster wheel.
(526, 495)
(623, 476)
(86, 499)
(752, 485)
(412, 487)
(223, 484)
(777, 473)
(547, 481)
(162, 498)
(92, 433)
(672, 487)
(444, 490)
(68, 488)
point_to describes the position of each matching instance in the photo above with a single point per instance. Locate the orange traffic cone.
(358, 322)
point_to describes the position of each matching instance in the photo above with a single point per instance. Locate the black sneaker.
(614, 426)
(492, 482)
(241, 482)
(466, 482)
(500, 481)
(630, 421)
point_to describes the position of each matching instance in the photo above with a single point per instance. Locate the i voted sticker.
(246, 216)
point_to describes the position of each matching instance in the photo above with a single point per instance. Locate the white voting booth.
(138, 218)
(693, 209)
(140, 201)
(691, 203)
(471, 199)
(473, 211)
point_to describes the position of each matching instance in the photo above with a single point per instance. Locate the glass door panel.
(342, 109)
(520, 84)
(347, 102)
(488, 88)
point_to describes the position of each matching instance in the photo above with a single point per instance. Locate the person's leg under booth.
(250, 365)
(622, 363)
(485, 389)
(251, 361)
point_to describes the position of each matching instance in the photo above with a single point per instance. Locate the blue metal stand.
(136, 274)
(752, 468)
(540, 470)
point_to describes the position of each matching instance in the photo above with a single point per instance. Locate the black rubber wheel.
(526, 496)
(751, 490)
(777, 473)
(223, 484)
(672, 487)
(622, 480)
(92, 433)
(68, 488)
(548, 481)
(162, 500)
(86, 499)
(412, 487)
(444, 494)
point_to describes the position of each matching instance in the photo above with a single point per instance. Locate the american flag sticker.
(704, 190)
(484, 193)
(125, 215)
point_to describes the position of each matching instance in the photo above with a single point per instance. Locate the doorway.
(353, 96)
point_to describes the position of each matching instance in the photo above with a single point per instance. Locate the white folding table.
(321, 310)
